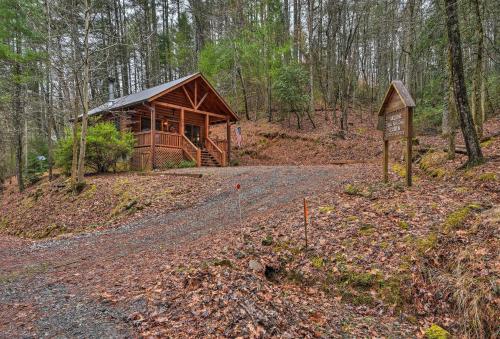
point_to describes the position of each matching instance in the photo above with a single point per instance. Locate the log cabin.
(171, 123)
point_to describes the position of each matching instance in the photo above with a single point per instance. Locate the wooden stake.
(228, 138)
(385, 164)
(238, 186)
(305, 221)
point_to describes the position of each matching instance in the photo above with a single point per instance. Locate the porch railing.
(191, 151)
(168, 139)
(216, 152)
(143, 139)
(217, 148)
(161, 139)
(222, 144)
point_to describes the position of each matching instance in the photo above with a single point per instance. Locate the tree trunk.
(296, 29)
(409, 45)
(459, 90)
(49, 114)
(74, 132)
(245, 100)
(476, 107)
(299, 126)
(310, 27)
(269, 97)
(18, 116)
(85, 98)
(449, 122)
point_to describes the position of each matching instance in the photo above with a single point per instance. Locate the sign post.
(238, 186)
(306, 214)
(395, 120)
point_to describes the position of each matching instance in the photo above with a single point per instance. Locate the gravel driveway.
(52, 287)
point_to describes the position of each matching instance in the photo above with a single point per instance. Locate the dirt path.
(54, 288)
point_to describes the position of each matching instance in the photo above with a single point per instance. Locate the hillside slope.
(382, 260)
(280, 143)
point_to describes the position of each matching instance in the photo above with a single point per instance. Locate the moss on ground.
(436, 332)
(427, 243)
(488, 176)
(458, 217)
(399, 170)
(404, 225)
(326, 209)
(281, 246)
(361, 288)
(51, 230)
(89, 192)
(431, 163)
(4, 223)
(487, 143)
(222, 262)
(352, 189)
(317, 262)
(366, 229)
(267, 241)
(127, 203)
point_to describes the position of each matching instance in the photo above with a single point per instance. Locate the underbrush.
(50, 209)
(455, 271)
(427, 119)
(457, 276)
(181, 164)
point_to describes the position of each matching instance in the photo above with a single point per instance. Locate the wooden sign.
(395, 120)
(395, 123)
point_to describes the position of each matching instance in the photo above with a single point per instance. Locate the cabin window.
(146, 124)
(173, 127)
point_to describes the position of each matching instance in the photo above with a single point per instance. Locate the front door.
(193, 133)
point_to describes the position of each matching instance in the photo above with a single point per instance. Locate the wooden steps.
(207, 160)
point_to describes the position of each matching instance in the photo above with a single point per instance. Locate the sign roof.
(405, 96)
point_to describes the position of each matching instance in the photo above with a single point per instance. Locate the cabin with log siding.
(171, 123)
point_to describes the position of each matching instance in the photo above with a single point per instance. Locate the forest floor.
(382, 259)
(282, 143)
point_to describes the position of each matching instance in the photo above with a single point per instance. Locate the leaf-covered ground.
(50, 209)
(382, 260)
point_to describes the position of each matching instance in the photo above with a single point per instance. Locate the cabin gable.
(196, 94)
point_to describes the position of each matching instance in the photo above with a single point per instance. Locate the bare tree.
(460, 92)
(85, 95)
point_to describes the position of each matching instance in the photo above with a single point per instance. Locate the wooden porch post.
(153, 135)
(206, 125)
(228, 136)
(181, 122)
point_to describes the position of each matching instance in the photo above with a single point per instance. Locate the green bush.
(428, 119)
(187, 164)
(290, 88)
(38, 162)
(182, 164)
(105, 147)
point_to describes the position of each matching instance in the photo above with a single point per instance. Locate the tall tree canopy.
(349, 50)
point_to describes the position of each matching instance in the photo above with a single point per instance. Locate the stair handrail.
(220, 154)
(195, 149)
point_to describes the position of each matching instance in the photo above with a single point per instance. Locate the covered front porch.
(178, 134)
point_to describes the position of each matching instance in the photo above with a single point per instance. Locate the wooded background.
(56, 56)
